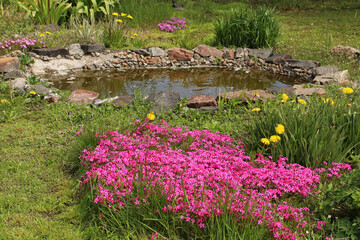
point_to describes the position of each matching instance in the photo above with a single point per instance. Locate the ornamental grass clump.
(197, 177)
(173, 24)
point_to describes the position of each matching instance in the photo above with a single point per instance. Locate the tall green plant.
(46, 11)
(246, 28)
(93, 9)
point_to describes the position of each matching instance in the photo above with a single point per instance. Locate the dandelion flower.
(265, 141)
(285, 97)
(302, 101)
(151, 116)
(255, 110)
(42, 35)
(275, 138)
(118, 20)
(328, 100)
(129, 16)
(135, 34)
(123, 14)
(80, 26)
(349, 104)
(347, 90)
(132, 37)
(4, 101)
(115, 14)
(256, 94)
(32, 92)
(293, 101)
(48, 33)
(282, 100)
(280, 129)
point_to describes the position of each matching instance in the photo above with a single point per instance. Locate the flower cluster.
(24, 43)
(279, 129)
(207, 175)
(173, 24)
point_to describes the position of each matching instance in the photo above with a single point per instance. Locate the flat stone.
(229, 54)
(13, 75)
(56, 65)
(180, 54)
(157, 52)
(122, 101)
(142, 52)
(240, 95)
(212, 109)
(92, 48)
(278, 58)
(164, 100)
(8, 64)
(47, 28)
(39, 89)
(81, 96)
(337, 77)
(201, 100)
(75, 50)
(260, 53)
(348, 51)
(207, 51)
(301, 91)
(52, 52)
(19, 84)
(290, 91)
(329, 69)
(261, 94)
(302, 64)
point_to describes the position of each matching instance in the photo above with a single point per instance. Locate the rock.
(341, 50)
(301, 91)
(240, 95)
(198, 101)
(180, 54)
(8, 64)
(337, 77)
(75, 50)
(19, 84)
(157, 52)
(302, 64)
(207, 51)
(39, 89)
(239, 53)
(324, 70)
(92, 48)
(122, 101)
(164, 100)
(212, 109)
(56, 65)
(142, 52)
(47, 28)
(81, 96)
(229, 54)
(290, 91)
(51, 52)
(54, 99)
(260, 53)
(14, 74)
(262, 95)
(278, 58)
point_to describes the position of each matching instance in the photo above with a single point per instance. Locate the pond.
(187, 81)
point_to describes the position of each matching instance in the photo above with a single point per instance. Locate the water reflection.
(110, 83)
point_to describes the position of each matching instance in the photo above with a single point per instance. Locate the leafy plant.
(93, 9)
(246, 28)
(46, 11)
(115, 29)
(36, 81)
(86, 31)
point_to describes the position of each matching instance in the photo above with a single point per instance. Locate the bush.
(246, 28)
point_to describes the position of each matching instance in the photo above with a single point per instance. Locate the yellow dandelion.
(115, 14)
(151, 116)
(256, 94)
(302, 101)
(132, 37)
(135, 34)
(328, 100)
(129, 16)
(41, 35)
(48, 33)
(265, 141)
(282, 100)
(32, 92)
(80, 26)
(119, 20)
(123, 14)
(347, 90)
(293, 101)
(4, 101)
(275, 138)
(285, 97)
(280, 129)
(256, 110)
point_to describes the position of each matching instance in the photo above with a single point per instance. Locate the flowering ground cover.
(202, 175)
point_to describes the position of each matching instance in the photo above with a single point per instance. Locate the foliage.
(85, 31)
(33, 80)
(94, 10)
(115, 29)
(245, 28)
(317, 130)
(46, 11)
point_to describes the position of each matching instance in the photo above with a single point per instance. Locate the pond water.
(188, 81)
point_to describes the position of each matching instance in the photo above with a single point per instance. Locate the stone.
(241, 95)
(56, 65)
(8, 64)
(278, 58)
(302, 64)
(47, 28)
(180, 54)
(229, 54)
(212, 109)
(14, 74)
(122, 101)
(300, 90)
(81, 96)
(261, 94)
(75, 50)
(39, 89)
(51, 52)
(92, 48)
(337, 77)
(290, 91)
(239, 53)
(19, 84)
(324, 70)
(164, 100)
(157, 52)
(260, 53)
(348, 51)
(207, 51)
(142, 52)
(201, 100)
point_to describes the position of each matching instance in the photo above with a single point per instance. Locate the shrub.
(246, 28)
